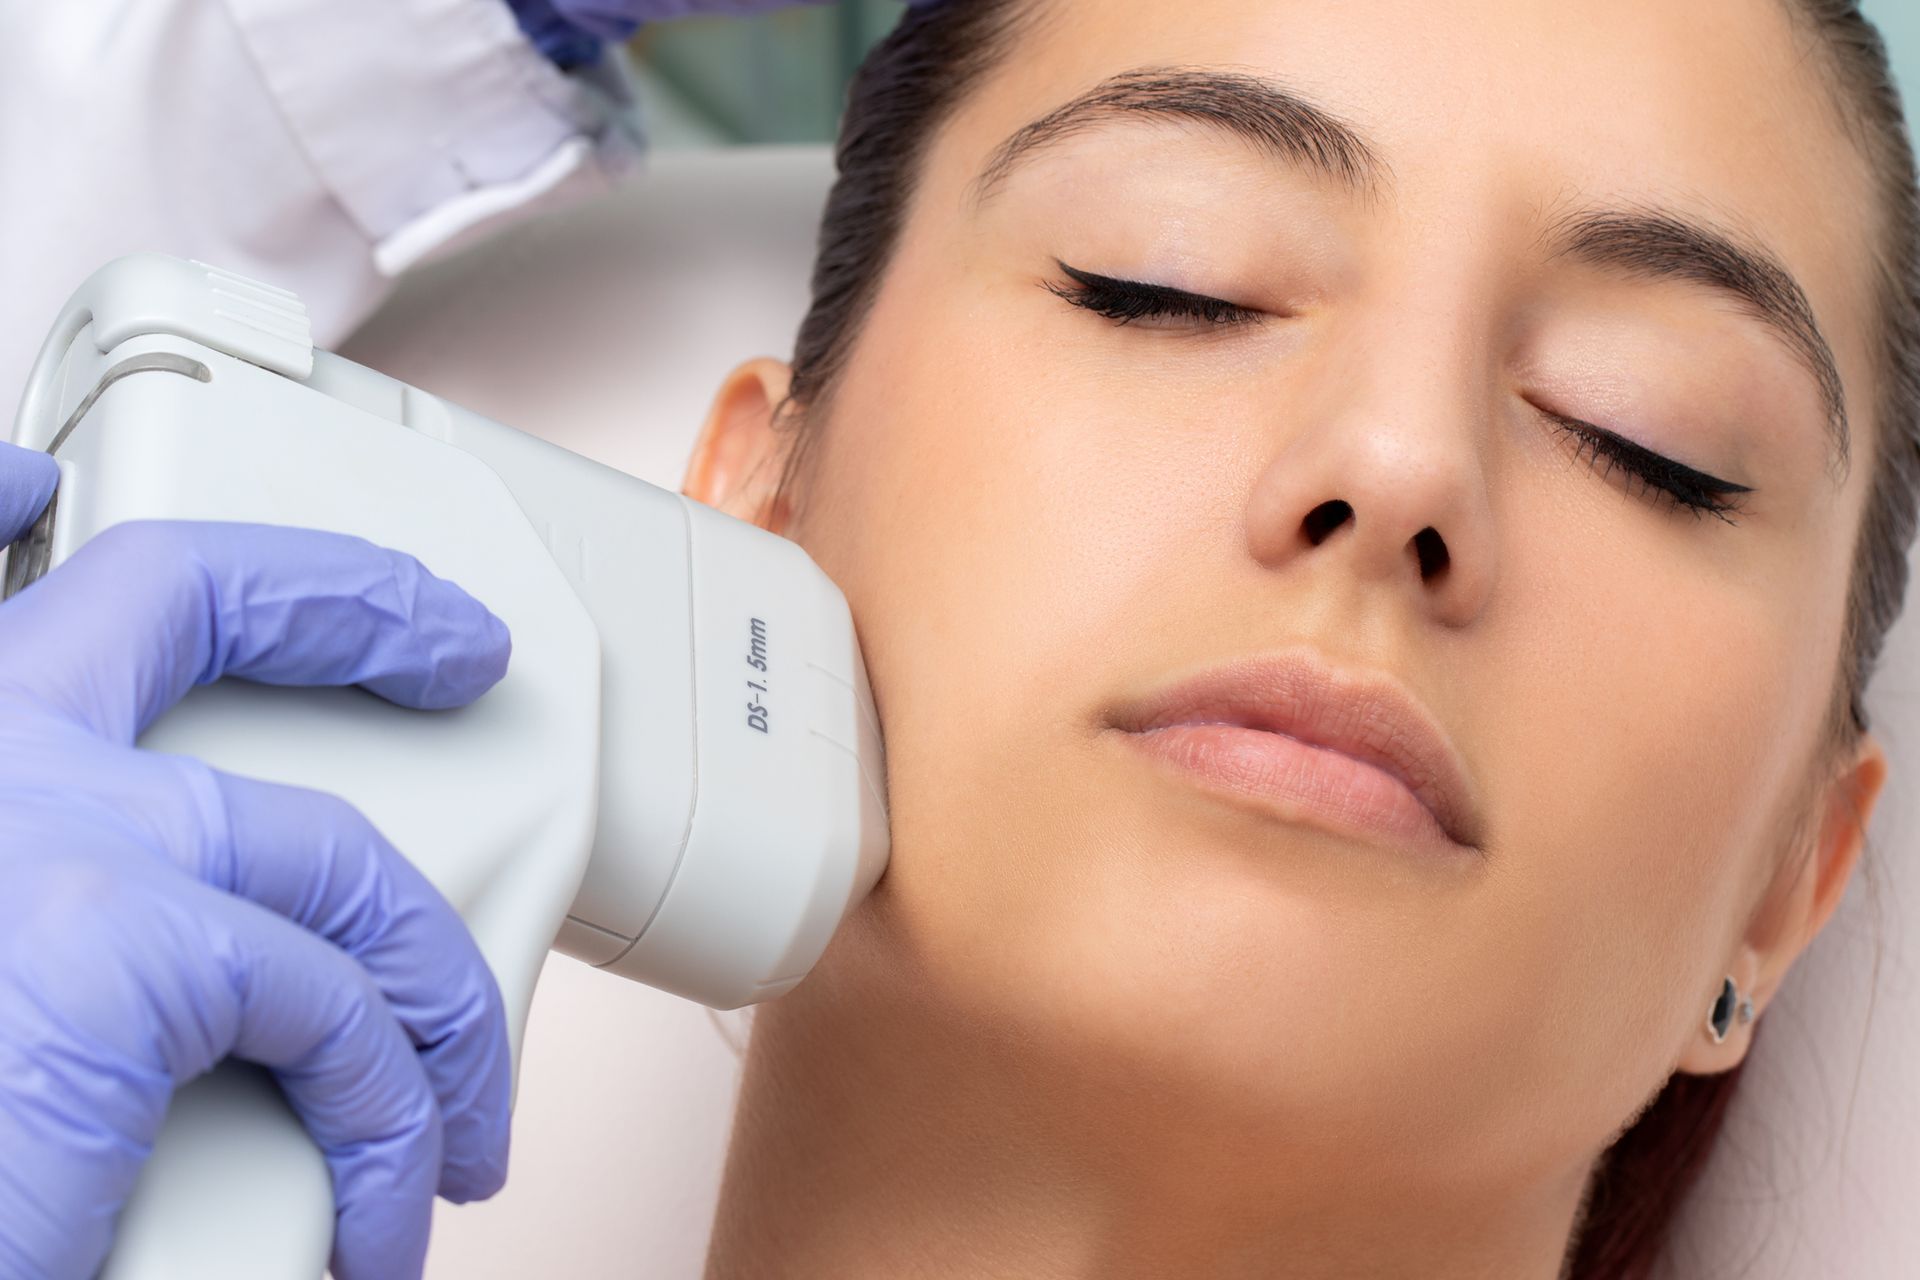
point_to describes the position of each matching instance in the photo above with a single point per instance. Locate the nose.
(1378, 465)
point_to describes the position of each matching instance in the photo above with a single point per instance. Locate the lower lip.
(1296, 781)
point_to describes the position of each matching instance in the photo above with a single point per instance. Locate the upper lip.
(1299, 694)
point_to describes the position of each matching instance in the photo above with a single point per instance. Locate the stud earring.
(1721, 1016)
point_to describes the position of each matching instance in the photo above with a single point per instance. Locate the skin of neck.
(883, 1130)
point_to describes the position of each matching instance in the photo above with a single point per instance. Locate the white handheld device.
(680, 778)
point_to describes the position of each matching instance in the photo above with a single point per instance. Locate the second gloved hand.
(619, 19)
(157, 915)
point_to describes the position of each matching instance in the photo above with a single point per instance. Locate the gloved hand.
(27, 480)
(585, 12)
(572, 32)
(157, 915)
(619, 19)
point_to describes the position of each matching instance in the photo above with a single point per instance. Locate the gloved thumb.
(27, 480)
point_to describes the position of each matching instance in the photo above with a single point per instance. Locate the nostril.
(1324, 519)
(1432, 550)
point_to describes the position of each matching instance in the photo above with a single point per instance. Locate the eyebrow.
(1657, 245)
(1644, 243)
(1256, 111)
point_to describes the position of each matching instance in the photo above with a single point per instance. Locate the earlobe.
(737, 460)
(1807, 888)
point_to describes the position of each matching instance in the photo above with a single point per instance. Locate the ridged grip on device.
(149, 293)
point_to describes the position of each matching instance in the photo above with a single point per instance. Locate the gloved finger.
(316, 860)
(148, 609)
(78, 1114)
(27, 479)
(311, 1013)
(167, 977)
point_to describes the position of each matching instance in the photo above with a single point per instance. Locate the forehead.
(1497, 113)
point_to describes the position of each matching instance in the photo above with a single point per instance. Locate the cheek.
(1015, 535)
(1638, 747)
(1005, 524)
(1012, 531)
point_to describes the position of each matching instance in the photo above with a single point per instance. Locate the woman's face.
(1042, 516)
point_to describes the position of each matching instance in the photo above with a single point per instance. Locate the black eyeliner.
(1687, 487)
(1678, 485)
(1124, 301)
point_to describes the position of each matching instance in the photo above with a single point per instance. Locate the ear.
(1805, 890)
(738, 458)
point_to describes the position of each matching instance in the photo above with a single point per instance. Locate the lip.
(1361, 747)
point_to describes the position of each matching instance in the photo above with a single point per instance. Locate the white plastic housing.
(637, 785)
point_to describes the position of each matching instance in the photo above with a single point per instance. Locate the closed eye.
(1670, 485)
(1130, 301)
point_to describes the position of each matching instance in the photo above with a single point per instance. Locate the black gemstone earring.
(1721, 1016)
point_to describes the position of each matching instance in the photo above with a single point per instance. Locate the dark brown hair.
(1643, 1178)
(910, 84)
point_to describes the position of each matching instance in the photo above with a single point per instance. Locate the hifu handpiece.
(680, 778)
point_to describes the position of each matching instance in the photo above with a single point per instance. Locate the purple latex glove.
(27, 480)
(585, 12)
(572, 32)
(157, 915)
(618, 19)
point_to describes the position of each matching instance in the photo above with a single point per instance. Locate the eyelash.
(1671, 485)
(1125, 301)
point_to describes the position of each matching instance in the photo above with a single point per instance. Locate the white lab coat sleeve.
(320, 145)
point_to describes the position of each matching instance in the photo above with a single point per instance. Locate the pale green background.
(1899, 22)
(775, 78)
(779, 77)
